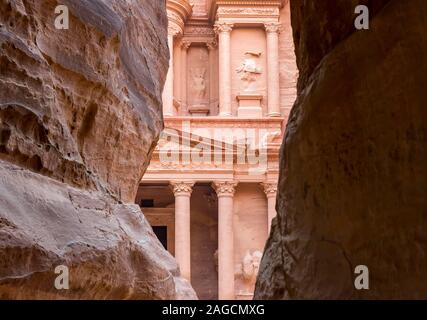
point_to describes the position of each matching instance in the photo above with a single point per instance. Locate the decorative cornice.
(225, 188)
(181, 122)
(253, 11)
(180, 188)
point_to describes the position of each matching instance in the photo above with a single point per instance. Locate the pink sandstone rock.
(353, 165)
(80, 113)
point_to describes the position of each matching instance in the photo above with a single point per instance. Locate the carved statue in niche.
(210, 199)
(247, 271)
(250, 71)
(198, 78)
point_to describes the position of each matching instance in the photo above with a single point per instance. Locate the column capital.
(185, 44)
(225, 188)
(270, 189)
(211, 45)
(220, 27)
(182, 188)
(272, 27)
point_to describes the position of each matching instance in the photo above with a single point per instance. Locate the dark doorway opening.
(162, 234)
(147, 203)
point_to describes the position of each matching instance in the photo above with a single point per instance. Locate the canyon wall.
(353, 180)
(80, 113)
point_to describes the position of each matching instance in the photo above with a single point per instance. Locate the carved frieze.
(248, 11)
(199, 31)
(265, 123)
(199, 166)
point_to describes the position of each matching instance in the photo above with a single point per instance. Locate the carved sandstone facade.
(210, 188)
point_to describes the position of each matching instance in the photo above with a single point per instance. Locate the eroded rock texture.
(353, 181)
(80, 112)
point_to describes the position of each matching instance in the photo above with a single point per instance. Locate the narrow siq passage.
(180, 108)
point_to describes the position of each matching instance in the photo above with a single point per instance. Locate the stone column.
(270, 190)
(184, 49)
(273, 73)
(167, 95)
(211, 47)
(224, 34)
(225, 192)
(182, 192)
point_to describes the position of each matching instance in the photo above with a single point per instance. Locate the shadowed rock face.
(80, 112)
(353, 163)
(82, 105)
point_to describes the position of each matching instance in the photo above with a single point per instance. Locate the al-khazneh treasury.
(232, 70)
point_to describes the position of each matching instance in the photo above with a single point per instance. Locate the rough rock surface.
(352, 188)
(82, 105)
(110, 249)
(80, 112)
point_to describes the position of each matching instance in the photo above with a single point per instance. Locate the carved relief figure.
(249, 71)
(248, 269)
(198, 78)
